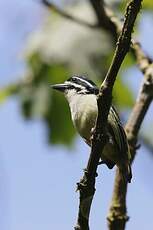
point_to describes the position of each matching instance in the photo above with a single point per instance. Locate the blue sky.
(37, 189)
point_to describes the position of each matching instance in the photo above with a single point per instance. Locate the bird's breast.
(84, 113)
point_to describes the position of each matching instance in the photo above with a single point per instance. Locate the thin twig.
(117, 216)
(61, 12)
(143, 60)
(87, 184)
(104, 21)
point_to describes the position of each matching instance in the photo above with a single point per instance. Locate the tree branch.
(53, 7)
(103, 20)
(109, 22)
(117, 216)
(143, 60)
(86, 186)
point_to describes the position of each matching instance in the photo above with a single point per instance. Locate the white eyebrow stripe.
(75, 85)
(85, 81)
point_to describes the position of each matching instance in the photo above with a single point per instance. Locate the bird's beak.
(60, 87)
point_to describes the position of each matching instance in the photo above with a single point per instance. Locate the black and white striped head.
(77, 84)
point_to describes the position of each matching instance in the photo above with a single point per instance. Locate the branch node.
(86, 182)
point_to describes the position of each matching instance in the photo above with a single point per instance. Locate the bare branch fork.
(117, 216)
(86, 186)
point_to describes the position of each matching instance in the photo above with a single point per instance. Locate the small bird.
(81, 94)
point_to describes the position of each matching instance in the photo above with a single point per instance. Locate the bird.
(81, 94)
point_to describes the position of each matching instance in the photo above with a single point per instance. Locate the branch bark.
(86, 186)
(117, 216)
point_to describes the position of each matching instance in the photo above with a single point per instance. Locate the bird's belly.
(85, 121)
(84, 126)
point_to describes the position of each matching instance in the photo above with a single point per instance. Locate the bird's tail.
(126, 173)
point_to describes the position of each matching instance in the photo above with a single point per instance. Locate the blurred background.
(41, 157)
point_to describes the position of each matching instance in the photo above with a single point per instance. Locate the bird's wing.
(116, 129)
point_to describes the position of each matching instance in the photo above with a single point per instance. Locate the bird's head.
(77, 85)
